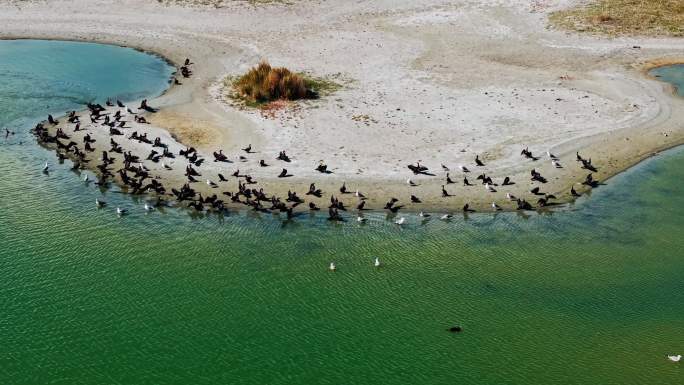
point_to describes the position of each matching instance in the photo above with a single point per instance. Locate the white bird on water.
(361, 219)
(446, 217)
(46, 167)
(120, 211)
(100, 203)
(400, 221)
(332, 266)
(424, 214)
(148, 207)
(85, 178)
(377, 262)
(676, 358)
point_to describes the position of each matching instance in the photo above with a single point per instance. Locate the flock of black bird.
(137, 178)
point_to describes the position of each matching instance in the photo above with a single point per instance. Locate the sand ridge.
(435, 81)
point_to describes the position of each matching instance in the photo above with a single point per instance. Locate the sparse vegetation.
(624, 17)
(264, 84)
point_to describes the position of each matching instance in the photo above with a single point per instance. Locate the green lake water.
(593, 294)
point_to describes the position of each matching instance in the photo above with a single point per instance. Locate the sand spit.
(439, 82)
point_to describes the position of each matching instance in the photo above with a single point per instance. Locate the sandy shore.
(432, 81)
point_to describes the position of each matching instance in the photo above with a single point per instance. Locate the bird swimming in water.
(147, 207)
(100, 203)
(332, 266)
(423, 215)
(120, 211)
(85, 178)
(400, 221)
(361, 219)
(46, 167)
(676, 358)
(377, 262)
(446, 217)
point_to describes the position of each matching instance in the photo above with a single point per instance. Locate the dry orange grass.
(264, 83)
(625, 17)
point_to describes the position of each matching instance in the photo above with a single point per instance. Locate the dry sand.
(432, 80)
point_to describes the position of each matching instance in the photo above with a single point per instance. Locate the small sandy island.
(431, 81)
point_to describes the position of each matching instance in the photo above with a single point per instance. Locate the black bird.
(444, 192)
(222, 178)
(573, 192)
(478, 161)
(247, 149)
(415, 199)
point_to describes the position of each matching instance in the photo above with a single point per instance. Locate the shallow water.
(673, 74)
(591, 295)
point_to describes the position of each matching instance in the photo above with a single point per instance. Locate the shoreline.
(178, 105)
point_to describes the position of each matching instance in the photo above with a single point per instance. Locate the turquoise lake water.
(590, 295)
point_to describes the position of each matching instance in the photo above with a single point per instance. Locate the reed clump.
(264, 84)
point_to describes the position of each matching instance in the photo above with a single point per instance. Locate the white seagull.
(100, 203)
(120, 211)
(490, 188)
(400, 221)
(332, 266)
(676, 358)
(148, 207)
(46, 167)
(377, 262)
(359, 195)
(510, 196)
(495, 206)
(361, 219)
(446, 217)
(85, 178)
(424, 215)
